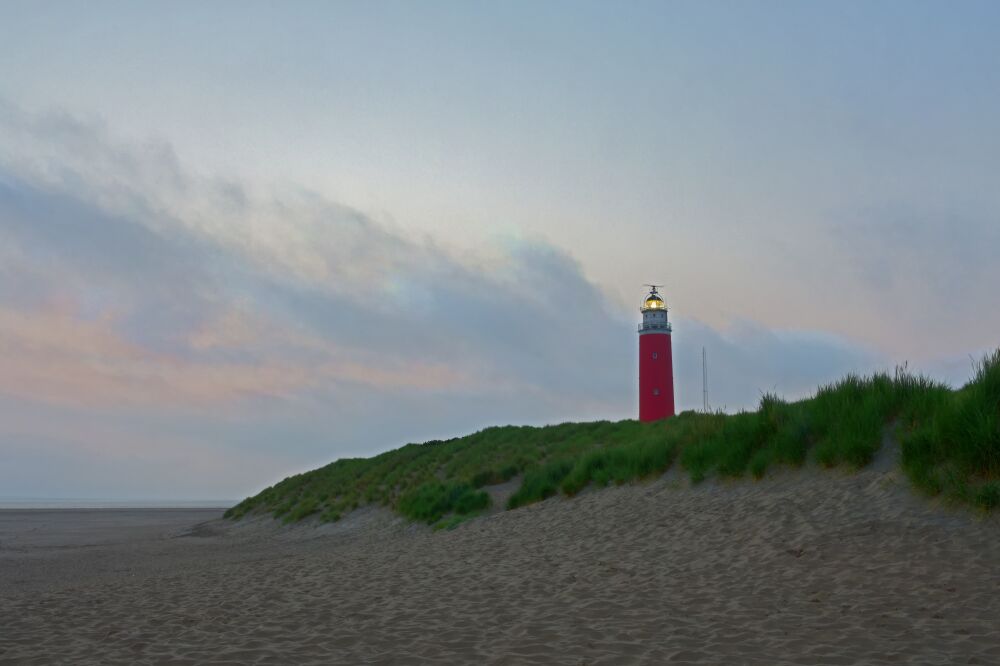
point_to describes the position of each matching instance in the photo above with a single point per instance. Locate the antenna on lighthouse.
(704, 380)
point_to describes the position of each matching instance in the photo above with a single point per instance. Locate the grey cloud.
(72, 246)
(536, 340)
(68, 230)
(925, 272)
(943, 257)
(748, 360)
(73, 154)
(541, 327)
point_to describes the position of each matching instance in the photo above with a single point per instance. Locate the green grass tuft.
(951, 445)
(759, 463)
(432, 501)
(540, 483)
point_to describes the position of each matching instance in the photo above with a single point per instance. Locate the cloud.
(748, 360)
(930, 271)
(175, 308)
(55, 357)
(156, 261)
(944, 254)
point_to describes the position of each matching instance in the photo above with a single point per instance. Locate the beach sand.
(806, 567)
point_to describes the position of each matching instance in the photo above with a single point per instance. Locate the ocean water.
(91, 503)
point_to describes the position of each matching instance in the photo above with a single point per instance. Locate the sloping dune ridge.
(804, 567)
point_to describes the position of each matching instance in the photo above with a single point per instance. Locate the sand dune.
(807, 567)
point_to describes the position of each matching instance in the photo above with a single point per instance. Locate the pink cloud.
(52, 355)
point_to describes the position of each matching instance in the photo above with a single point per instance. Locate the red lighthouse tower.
(656, 365)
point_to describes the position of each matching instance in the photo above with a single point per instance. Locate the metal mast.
(704, 380)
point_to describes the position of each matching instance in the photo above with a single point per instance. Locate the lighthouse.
(656, 366)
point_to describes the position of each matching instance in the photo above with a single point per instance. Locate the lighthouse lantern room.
(656, 367)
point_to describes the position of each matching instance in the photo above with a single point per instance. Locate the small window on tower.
(654, 356)
(656, 391)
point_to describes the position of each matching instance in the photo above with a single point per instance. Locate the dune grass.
(432, 501)
(950, 445)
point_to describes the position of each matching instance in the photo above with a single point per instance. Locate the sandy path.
(805, 568)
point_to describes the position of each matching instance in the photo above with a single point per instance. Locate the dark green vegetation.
(955, 447)
(950, 445)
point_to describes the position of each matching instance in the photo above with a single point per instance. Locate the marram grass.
(950, 445)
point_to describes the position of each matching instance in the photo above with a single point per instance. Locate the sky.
(239, 240)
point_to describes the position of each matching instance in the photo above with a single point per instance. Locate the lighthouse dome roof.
(653, 302)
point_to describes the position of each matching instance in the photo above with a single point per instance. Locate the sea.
(91, 503)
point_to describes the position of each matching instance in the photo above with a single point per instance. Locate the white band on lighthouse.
(654, 313)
